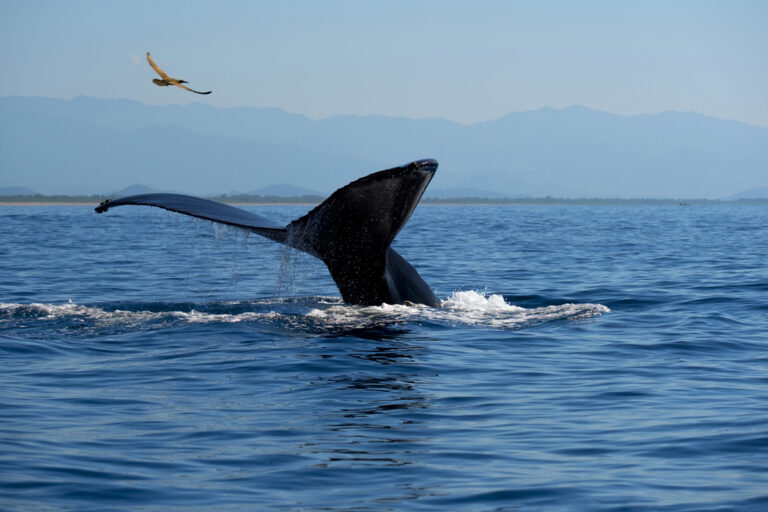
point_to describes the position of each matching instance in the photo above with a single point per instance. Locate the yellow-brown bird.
(166, 80)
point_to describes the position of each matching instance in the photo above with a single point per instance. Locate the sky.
(464, 61)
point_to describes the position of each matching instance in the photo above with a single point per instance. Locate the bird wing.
(191, 90)
(157, 68)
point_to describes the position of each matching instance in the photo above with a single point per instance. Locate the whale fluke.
(350, 232)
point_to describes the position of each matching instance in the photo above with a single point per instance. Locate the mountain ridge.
(196, 148)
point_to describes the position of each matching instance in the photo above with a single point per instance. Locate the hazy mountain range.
(88, 145)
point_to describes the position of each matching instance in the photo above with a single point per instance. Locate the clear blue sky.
(465, 61)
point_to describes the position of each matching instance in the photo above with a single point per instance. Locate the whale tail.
(350, 232)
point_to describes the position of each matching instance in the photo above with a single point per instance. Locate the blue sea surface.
(586, 358)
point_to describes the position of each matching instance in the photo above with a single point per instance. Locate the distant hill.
(284, 191)
(88, 145)
(463, 192)
(16, 191)
(753, 193)
(268, 191)
(132, 190)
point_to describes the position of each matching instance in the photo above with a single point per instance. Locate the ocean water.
(586, 358)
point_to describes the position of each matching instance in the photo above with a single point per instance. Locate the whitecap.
(468, 308)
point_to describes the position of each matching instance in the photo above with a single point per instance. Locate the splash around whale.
(351, 231)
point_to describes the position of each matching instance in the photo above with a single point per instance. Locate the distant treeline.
(256, 199)
(42, 198)
(314, 199)
(586, 201)
(96, 199)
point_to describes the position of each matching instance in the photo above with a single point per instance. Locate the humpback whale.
(350, 232)
(167, 80)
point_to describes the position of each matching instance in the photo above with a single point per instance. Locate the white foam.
(461, 308)
(475, 308)
(472, 300)
(204, 318)
(102, 317)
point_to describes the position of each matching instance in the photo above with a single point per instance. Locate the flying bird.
(166, 80)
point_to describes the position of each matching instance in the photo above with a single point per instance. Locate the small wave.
(314, 313)
(461, 308)
(133, 315)
(493, 310)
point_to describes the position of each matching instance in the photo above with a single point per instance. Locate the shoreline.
(74, 203)
(459, 202)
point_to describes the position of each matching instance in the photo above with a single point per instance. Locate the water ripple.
(585, 358)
